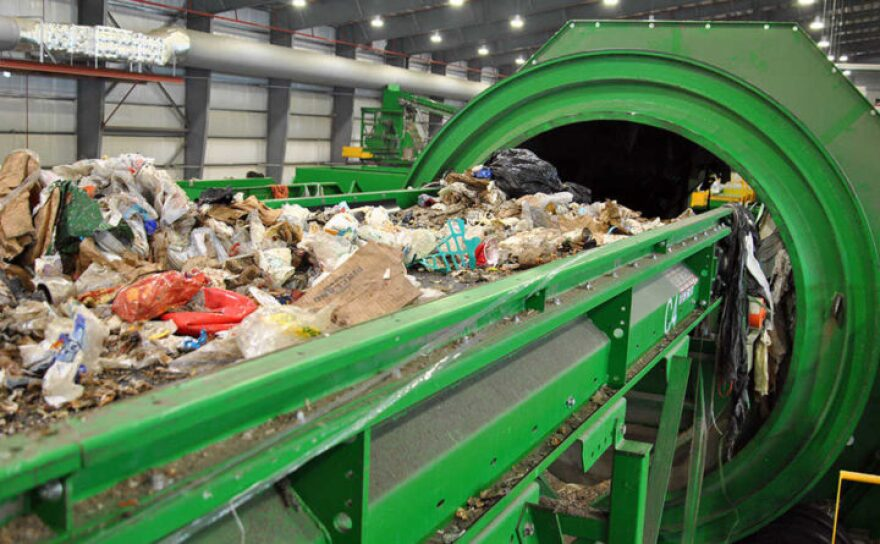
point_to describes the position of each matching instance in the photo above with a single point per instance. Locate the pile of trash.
(112, 281)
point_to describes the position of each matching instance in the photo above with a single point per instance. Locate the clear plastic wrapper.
(272, 328)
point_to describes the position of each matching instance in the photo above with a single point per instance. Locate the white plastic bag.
(276, 262)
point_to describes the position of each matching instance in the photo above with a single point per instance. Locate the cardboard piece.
(16, 224)
(370, 284)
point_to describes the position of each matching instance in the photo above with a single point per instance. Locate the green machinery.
(391, 134)
(444, 422)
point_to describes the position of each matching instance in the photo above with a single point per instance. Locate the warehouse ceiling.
(480, 31)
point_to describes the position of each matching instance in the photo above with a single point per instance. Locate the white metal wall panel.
(230, 96)
(236, 124)
(307, 152)
(137, 116)
(311, 103)
(37, 115)
(309, 127)
(53, 11)
(53, 149)
(165, 150)
(229, 151)
(224, 172)
(37, 86)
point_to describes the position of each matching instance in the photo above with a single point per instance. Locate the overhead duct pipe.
(241, 57)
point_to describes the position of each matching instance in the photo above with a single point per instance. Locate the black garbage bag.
(219, 195)
(519, 172)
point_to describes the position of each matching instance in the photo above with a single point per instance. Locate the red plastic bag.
(227, 310)
(154, 295)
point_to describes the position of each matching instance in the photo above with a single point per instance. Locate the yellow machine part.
(355, 152)
(737, 190)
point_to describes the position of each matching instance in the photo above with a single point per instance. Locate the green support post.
(629, 489)
(677, 372)
(698, 462)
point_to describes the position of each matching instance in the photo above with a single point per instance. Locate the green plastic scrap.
(81, 217)
(454, 252)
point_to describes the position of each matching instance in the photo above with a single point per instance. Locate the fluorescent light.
(298, 3)
(520, 60)
(806, 2)
(436, 37)
(823, 43)
(847, 73)
(817, 24)
(517, 22)
(831, 58)
(7, 73)
(456, 3)
(483, 51)
(843, 58)
(377, 22)
(610, 3)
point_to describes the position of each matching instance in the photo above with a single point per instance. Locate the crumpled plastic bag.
(520, 172)
(342, 224)
(59, 384)
(220, 351)
(48, 273)
(272, 328)
(330, 251)
(154, 295)
(378, 217)
(96, 278)
(296, 215)
(225, 309)
(276, 262)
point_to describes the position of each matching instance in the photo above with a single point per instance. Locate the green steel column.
(698, 462)
(677, 372)
(629, 490)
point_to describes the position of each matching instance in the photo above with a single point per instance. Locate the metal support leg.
(629, 490)
(698, 463)
(677, 372)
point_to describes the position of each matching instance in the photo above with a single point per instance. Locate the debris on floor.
(112, 281)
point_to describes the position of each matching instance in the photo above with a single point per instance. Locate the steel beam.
(435, 121)
(473, 66)
(278, 105)
(400, 61)
(343, 105)
(198, 97)
(90, 92)
(219, 6)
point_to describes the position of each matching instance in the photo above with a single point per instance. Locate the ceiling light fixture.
(831, 58)
(456, 3)
(806, 2)
(817, 23)
(520, 60)
(517, 22)
(823, 43)
(847, 73)
(610, 3)
(298, 3)
(377, 22)
(843, 58)
(483, 51)
(7, 73)
(436, 37)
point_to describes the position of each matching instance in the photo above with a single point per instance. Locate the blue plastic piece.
(193, 344)
(454, 252)
(483, 173)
